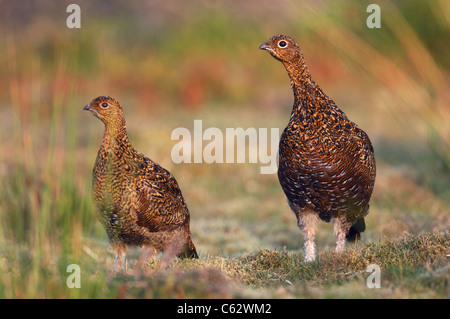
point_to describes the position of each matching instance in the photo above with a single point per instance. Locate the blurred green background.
(171, 62)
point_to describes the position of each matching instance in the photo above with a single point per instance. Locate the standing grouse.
(138, 202)
(326, 162)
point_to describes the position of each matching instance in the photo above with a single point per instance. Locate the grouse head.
(283, 48)
(107, 109)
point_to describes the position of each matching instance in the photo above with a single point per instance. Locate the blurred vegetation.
(171, 62)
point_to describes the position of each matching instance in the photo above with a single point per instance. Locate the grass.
(246, 235)
(411, 266)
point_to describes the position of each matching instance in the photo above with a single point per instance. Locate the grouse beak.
(87, 107)
(266, 47)
(263, 46)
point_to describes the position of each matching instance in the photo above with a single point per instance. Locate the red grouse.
(138, 202)
(326, 162)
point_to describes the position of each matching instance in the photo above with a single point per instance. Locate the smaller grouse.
(138, 202)
(326, 162)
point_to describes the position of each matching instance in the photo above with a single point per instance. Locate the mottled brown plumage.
(138, 202)
(326, 162)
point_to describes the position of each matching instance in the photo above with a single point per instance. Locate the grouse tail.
(189, 252)
(355, 230)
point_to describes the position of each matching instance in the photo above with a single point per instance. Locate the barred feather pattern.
(326, 162)
(138, 202)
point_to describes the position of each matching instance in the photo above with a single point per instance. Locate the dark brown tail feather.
(189, 252)
(355, 230)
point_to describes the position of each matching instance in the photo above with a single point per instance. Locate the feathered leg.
(307, 222)
(341, 228)
(148, 253)
(120, 257)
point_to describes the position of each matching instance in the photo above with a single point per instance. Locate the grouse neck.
(115, 134)
(298, 72)
(309, 99)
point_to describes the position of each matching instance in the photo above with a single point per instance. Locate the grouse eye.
(104, 105)
(282, 44)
